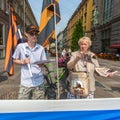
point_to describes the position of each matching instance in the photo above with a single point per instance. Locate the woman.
(86, 61)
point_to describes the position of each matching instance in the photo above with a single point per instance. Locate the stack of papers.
(105, 71)
(45, 61)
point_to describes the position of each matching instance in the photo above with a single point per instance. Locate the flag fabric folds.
(50, 11)
(11, 43)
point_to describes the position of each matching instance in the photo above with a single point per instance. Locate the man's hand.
(26, 61)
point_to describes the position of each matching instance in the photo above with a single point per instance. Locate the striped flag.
(11, 43)
(50, 13)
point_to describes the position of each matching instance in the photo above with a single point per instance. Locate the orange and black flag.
(50, 13)
(11, 43)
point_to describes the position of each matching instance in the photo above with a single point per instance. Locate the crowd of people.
(110, 56)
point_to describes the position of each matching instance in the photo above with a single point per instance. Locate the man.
(28, 55)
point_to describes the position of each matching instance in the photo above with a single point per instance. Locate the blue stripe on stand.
(64, 115)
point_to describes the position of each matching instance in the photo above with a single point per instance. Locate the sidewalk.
(9, 85)
(1, 65)
(115, 65)
(110, 61)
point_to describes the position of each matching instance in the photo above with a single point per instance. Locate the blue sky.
(67, 8)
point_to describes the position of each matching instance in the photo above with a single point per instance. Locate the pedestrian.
(117, 56)
(63, 52)
(84, 61)
(30, 53)
(46, 52)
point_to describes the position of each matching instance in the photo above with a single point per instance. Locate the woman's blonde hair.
(85, 39)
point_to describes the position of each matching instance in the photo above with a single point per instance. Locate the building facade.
(65, 39)
(60, 40)
(24, 16)
(101, 22)
(84, 12)
(107, 31)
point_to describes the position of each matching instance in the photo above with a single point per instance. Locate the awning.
(115, 46)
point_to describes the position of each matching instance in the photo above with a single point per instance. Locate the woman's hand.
(110, 75)
(78, 56)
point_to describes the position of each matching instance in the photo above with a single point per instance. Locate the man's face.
(32, 36)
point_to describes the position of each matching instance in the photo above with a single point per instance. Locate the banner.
(11, 43)
(50, 16)
(72, 109)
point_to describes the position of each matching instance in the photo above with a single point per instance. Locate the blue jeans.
(71, 96)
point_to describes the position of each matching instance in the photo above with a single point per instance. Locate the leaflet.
(105, 71)
(45, 61)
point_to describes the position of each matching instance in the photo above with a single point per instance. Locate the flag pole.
(58, 95)
(24, 15)
(25, 51)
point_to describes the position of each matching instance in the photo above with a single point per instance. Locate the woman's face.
(84, 46)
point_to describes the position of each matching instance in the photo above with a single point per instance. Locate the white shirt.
(36, 54)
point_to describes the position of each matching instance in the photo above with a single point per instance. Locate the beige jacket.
(79, 66)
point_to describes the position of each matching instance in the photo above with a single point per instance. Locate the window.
(1, 34)
(2, 4)
(1, 53)
(94, 1)
(2, 40)
(7, 7)
(108, 7)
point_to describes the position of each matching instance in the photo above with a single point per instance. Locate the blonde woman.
(86, 61)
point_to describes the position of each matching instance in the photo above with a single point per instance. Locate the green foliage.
(77, 34)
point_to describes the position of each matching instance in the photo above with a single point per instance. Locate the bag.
(79, 82)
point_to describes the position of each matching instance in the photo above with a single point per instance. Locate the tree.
(77, 34)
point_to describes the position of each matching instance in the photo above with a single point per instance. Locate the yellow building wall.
(89, 19)
(83, 12)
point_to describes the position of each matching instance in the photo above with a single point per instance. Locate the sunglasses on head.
(33, 34)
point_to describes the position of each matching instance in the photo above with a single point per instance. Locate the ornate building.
(24, 16)
(85, 13)
(107, 31)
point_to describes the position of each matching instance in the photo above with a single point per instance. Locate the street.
(106, 87)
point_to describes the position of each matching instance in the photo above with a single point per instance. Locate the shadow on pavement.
(116, 89)
(3, 78)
